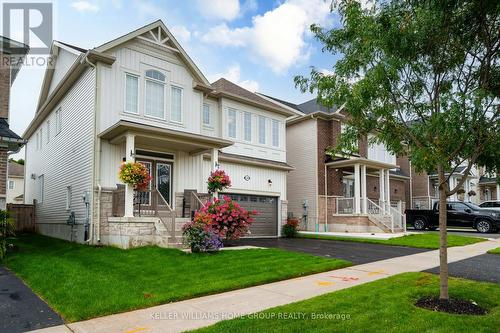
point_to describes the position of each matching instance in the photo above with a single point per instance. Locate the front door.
(161, 179)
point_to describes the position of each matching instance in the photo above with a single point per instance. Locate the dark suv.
(491, 204)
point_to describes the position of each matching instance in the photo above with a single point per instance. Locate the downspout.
(96, 161)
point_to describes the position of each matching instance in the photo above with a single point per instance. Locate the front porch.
(176, 164)
(357, 210)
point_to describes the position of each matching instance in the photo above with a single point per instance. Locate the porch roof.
(347, 162)
(190, 142)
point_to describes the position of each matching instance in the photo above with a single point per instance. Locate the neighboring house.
(15, 183)
(489, 187)
(360, 193)
(11, 56)
(140, 97)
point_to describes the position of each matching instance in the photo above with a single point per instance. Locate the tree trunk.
(443, 249)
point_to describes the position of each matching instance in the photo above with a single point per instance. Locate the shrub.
(218, 181)
(135, 174)
(290, 228)
(6, 230)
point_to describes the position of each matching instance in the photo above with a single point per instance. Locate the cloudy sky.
(259, 44)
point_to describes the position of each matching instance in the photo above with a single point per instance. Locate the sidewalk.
(204, 311)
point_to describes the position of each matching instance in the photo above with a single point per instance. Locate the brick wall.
(397, 189)
(3, 175)
(420, 184)
(4, 89)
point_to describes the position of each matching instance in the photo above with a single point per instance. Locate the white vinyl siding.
(231, 123)
(207, 116)
(68, 197)
(58, 121)
(262, 130)
(276, 133)
(41, 138)
(131, 93)
(247, 126)
(40, 188)
(48, 131)
(155, 99)
(176, 104)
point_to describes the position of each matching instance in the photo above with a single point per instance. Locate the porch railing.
(198, 200)
(165, 213)
(345, 205)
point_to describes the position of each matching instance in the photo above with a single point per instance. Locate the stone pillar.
(357, 190)
(381, 185)
(364, 197)
(129, 189)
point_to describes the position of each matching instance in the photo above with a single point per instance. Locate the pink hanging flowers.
(218, 181)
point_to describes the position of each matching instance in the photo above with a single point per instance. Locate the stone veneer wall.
(353, 224)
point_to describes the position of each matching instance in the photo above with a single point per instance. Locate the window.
(176, 105)
(247, 126)
(276, 133)
(11, 184)
(131, 93)
(262, 130)
(41, 137)
(68, 197)
(58, 121)
(207, 117)
(155, 94)
(231, 123)
(48, 131)
(40, 188)
(37, 141)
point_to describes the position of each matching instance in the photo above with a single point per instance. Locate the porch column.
(357, 190)
(387, 192)
(466, 189)
(453, 183)
(363, 190)
(381, 185)
(215, 163)
(498, 192)
(129, 189)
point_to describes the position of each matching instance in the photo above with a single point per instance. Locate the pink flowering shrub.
(218, 181)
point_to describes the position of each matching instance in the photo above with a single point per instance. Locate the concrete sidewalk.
(204, 311)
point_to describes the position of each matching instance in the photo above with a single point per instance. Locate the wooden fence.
(23, 216)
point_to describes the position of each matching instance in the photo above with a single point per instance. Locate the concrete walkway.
(204, 311)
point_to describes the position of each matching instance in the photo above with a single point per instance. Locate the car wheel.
(484, 226)
(419, 223)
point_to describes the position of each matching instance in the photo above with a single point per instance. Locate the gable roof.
(226, 88)
(15, 169)
(162, 29)
(308, 107)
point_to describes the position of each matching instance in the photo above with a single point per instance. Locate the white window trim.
(41, 138)
(165, 97)
(138, 94)
(210, 115)
(229, 110)
(172, 86)
(48, 131)
(58, 121)
(13, 184)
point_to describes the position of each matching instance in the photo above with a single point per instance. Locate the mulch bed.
(453, 305)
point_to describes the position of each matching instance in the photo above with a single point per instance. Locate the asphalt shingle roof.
(6, 132)
(15, 169)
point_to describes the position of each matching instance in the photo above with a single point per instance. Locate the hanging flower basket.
(218, 181)
(471, 193)
(135, 174)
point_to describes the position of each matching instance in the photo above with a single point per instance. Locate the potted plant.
(218, 181)
(135, 174)
(471, 193)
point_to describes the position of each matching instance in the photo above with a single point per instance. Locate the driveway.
(21, 309)
(485, 267)
(357, 253)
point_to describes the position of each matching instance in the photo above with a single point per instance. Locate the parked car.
(459, 214)
(492, 204)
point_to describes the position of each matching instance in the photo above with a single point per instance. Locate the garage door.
(266, 222)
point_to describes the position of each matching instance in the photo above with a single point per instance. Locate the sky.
(258, 44)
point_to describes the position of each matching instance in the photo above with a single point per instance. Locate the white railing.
(398, 219)
(345, 205)
(373, 208)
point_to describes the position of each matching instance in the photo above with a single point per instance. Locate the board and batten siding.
(302, 181)
(66, 160)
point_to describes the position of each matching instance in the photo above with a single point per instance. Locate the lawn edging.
(495, 251)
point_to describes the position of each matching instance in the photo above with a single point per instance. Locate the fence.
(23, 216)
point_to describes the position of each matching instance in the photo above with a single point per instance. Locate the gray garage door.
(266, 222)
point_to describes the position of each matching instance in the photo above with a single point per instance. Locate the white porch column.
(466, 189)
(129, 189)
(453, 183)
(363, 190)
(498, 192)
(215, 163)
(381, 185)
(357, 190)
(387, 192)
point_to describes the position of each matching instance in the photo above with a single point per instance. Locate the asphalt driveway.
(357, 253)
(485, 267)
(21, 309)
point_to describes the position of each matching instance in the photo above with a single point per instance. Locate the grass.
(495, 251)
(424, 241)
(81, 282)
(382, 306)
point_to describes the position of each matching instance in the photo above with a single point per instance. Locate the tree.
(424, 76)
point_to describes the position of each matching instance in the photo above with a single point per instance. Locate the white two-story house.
(141, 98)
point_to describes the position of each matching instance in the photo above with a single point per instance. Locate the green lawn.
(81, 282)
(382, 306)
(495, 251)
(425, 241)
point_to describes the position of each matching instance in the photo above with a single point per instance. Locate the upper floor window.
(58, 121)
(11, 184)
(379, 152)
(37, 141)
(48, 131)
(262, 130)
(231, 123)
(131, 93)
(176, 105)
(41, 138)
(247, 126)
(155, 94)
(207, 116)
(276, 133)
